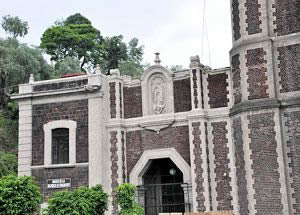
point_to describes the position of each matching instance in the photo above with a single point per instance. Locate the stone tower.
(266, 115)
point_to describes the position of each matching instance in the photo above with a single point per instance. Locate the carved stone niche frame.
(157, 91)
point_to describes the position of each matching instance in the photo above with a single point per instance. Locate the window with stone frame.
(60, 146)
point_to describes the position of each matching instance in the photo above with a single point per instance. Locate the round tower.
(265, 71)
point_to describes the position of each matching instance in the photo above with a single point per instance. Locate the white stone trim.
(248, 165)
(231, 165)
(25, 138)
(48, 127)
(212, 166)
(281, 161)
(95, 141)
(193, 167)
(143, 163)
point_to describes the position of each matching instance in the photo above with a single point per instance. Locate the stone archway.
(142, 168)
(136, 175)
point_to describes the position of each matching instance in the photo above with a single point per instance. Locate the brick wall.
(60, 85)
(141, 140)
(257, 74)
(236, 79)
(263, 146)
(292, 133)
(79, 177)
(182, 95)
(289, 68)
(240, 166)
(253, 17)
(217, 88)
(112, 98)
(236, 19)
(287, 13)
(132, 102)
(73, 110)
(221, 162)
(198, 145)
(114, 168)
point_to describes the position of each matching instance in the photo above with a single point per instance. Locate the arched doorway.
(163, 188)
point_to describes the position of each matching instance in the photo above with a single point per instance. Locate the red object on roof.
(71, 75)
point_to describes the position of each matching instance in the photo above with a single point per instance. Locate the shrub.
(126, 199)
(19, 195)
(83, 201)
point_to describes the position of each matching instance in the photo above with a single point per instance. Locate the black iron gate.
(164, 198)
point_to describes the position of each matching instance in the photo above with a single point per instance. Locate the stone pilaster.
(199, 166)
(116, 95)
(25, 138)
(196, 77)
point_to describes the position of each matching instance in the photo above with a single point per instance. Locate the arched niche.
(157, 89)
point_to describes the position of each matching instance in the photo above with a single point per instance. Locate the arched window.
(60, 146)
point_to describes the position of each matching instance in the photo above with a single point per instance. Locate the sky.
(172, 27)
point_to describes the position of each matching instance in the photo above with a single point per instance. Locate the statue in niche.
(158, 95)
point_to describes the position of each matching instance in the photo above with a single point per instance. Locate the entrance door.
(163, 188)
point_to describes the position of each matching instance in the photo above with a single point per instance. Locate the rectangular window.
(60, 146)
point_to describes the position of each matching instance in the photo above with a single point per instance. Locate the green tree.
(81, 41)
(8, 131)
(77, 19)
(126, 199)
(68, 65)
(83, 201)
(19, 195)
(115, 51)
(17, 62)
(176, 68)
(132, 66)
(8, 164)
(14, 26)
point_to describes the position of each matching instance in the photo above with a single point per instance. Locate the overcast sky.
(171, 27)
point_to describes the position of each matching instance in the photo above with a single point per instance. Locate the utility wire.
(203, 21)
(208, 44)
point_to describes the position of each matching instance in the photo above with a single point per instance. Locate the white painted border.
(48, 127)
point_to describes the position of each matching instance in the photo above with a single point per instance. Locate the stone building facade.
(232, 134)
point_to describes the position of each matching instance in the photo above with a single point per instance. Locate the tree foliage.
(132, 66)
(68, 65)
(8, 133)
(17, 62)
(77, 19)
(14, 26)
(125, 197)
(83, 201)
(19, 195)
(115, 51)
(75, 38)
(8, 164)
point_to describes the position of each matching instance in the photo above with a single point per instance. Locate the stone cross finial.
(97, 69)
(157, 60)
(31, 78)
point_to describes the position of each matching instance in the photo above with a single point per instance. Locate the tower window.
(60, 146)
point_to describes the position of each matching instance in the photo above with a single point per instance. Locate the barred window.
(60, 146)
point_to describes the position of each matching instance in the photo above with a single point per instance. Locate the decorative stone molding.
(157, 126)
(48, 127)
(157, 90)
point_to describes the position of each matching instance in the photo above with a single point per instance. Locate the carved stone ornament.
(158, 95)
(158, 125)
